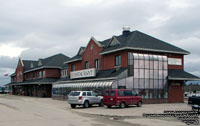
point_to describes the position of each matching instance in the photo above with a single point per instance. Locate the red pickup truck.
(121, 98)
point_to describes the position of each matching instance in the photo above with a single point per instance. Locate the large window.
(43, 74)
(149, 74)
(72, 67)
(97, 64)
(40, 74)
(86, 65)
(117, 60)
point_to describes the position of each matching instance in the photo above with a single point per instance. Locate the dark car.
(195, 102)
(121, 98)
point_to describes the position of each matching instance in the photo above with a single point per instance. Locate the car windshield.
(74, 93)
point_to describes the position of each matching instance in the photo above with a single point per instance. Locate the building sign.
(83, 73)
(174, 61)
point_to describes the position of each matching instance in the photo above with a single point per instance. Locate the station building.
(132, 60)
(35, 78)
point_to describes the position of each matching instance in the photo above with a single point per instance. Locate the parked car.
(84, 98)
(195, 102)
(121, 98)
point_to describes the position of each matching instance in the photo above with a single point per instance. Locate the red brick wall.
(88, 55)
(91, 55)
(109, 60)
(176, 66)
(19, 72)
(176, 93)
(52, 72)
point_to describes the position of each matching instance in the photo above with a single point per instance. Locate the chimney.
(126, 31)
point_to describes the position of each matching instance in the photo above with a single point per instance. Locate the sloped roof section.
(55, 61)
(137, 40)
(175, 74)
(27, 64)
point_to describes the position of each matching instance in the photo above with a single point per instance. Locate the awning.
(174, 74)
(84, 84)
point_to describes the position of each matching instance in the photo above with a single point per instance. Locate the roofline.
(69, 61)
(27, 83)
(74, 81)
(151, 50)
(42, 68)
(21, 61)
(185, 79)
(98, 43)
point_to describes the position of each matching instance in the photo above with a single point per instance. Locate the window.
(86, 65)
(121, 93)
(72, 67)
(91, 47)
(40, 74)
(89, 94)
(84, 93)
(117, 60)
(97, 64)
(128, 93)
(43, 74)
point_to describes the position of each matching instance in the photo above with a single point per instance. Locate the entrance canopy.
(85, 84)
(174, 74)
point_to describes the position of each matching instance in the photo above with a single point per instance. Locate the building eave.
(42, 68)
(143, 49)
(74, 60)
(184, 79)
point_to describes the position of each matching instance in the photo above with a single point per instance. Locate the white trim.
(69, 61)
(42, 68)
(151, 50)
(99, 44)
(21, 62)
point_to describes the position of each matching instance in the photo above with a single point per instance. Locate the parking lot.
(30, 111)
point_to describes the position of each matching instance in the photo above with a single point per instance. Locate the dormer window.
(113, 42)
(39, 63)
(31, 65)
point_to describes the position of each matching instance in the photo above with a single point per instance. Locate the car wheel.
(139, 104)
(73, 106)
(86, 104)
(108, 106)
(101, 103)
(122, 105)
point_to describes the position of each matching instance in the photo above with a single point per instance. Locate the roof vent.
(126, 31)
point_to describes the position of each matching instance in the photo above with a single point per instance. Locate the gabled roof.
(55, 61)
(137, 40)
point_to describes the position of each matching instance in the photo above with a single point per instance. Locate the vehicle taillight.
(80, 97)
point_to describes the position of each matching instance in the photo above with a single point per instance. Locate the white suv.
(85, 98)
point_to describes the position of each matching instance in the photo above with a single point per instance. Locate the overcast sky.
(33, 29)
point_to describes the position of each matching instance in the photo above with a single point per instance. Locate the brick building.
(133, 60)
(35, 78)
